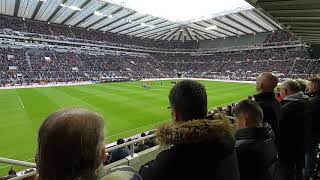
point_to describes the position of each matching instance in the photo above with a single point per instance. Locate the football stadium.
(154, 90)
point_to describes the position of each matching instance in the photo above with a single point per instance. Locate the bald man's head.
(266, 82)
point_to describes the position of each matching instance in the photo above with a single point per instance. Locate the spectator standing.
(313, 91)
(256, 151)
(265, 85)
(292, 141)
(200, 148)
(314, 106)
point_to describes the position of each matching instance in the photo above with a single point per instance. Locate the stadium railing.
(17, 162)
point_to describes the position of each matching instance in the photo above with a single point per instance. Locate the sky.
(181, 10)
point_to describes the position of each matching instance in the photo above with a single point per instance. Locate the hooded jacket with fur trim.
(199, 149)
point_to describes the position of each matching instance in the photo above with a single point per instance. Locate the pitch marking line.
(21, 101)
(136, 128)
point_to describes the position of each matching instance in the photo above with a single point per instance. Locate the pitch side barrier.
(36, 85)
(204, 79)
(57, 84)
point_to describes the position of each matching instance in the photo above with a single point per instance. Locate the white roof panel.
(104, 15)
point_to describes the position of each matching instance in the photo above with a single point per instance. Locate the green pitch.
(128, 109)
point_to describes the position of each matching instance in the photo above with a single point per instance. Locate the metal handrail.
(17, 162)
(33, 165)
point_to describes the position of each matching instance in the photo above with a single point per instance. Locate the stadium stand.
(279, 36)
(54, 65)
(38, 29)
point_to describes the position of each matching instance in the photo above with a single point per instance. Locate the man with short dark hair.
(257, 153)
(292, 141)
(199, 148)
(265, 85)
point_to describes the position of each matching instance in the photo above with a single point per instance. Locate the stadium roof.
(302, 17)
(106, 16)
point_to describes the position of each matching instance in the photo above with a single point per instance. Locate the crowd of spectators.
(279, 36)
(278, 60)
(60, 32)
(22, 65)
(52, 31)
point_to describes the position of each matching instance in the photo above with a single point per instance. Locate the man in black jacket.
(198, 148)
(313, 90)
(292, 139)
(257, 153)
(314, 106)
(266, 82)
